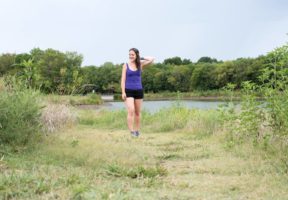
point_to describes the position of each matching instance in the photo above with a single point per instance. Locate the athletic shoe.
(133, 134)
(137, 133)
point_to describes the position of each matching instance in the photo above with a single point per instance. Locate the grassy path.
(85, 162)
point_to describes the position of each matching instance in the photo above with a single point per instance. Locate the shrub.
(265, 123)
(19, 115)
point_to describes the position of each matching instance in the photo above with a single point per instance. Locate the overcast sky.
(105, 30)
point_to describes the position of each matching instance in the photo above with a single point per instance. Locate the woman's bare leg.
(130, 112)
(137, 116)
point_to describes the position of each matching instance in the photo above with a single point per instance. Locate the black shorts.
(136, 94)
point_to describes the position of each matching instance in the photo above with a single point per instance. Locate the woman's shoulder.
(124, 66)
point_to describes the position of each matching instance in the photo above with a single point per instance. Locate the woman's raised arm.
(146, 61)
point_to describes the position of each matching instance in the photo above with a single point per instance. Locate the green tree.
(148, 79)
(7, 62)
(29, 75)
(186, 61)
(173, 61)
(203, 77)
(206, 59)
(224, 74)
(179, 78)
(20, 58)
(58, 71)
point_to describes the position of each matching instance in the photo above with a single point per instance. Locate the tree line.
(53, 71)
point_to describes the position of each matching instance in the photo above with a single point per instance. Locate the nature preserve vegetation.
(51, 149)
(53, 71)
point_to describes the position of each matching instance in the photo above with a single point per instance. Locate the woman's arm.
(123, 80)
(146, 61)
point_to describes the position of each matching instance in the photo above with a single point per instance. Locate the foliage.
(61, 72)
(265, 123)
(19, 115)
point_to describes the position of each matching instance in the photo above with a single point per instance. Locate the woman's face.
(132, 56)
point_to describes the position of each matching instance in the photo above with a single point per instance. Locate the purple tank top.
(133, 79)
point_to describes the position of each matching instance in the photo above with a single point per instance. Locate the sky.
(104, 31)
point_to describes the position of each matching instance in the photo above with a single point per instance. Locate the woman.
(132, 90)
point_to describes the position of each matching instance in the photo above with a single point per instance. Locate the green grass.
(98, 159)
(177, 117)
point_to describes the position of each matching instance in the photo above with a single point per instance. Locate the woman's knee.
(131, 111)
(137, 114)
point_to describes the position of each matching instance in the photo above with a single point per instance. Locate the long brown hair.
(136, 51)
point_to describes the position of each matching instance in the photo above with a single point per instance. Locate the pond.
(154, 106)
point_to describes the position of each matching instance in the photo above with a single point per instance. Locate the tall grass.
(55, 117)
(176, 117)
(2, 84)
